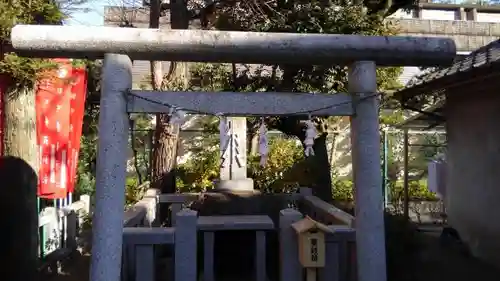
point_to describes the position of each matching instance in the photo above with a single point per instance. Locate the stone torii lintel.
(242, 104)
(230, 46)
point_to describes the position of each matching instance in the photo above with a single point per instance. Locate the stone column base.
(235, 185)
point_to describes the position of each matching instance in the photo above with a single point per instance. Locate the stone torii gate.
(119, 45)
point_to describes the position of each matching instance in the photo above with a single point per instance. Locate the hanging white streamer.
(222, 126)
(263, 143)
(310, 136)
(177, 117)
(224, 138)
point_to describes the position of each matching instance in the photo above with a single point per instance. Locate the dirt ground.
(434, 263)
(76, 270)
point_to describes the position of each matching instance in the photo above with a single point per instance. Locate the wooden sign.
(311, 239)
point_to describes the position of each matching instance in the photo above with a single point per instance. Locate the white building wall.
(485, 17)
(438, 15)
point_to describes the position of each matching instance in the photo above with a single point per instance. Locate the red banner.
(78, 93)
(58, 142)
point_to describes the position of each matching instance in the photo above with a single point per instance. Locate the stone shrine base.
(241, 202)
(235, 185)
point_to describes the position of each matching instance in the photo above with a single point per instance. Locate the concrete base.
(234, 185)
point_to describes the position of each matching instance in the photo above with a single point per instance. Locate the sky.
(95, 8)
(95, 11)
(94, 15)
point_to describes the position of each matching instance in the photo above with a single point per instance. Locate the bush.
(418, 191)
(133, 192)
(198, 173)
(278, 175)
(284, 171)
(282, 167)
(342, 190)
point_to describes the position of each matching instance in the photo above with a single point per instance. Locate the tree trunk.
(318, 165)
(165, 154)
(320, 169)
(333, 151)
(165, 145)
(166, 134)
(20, 126)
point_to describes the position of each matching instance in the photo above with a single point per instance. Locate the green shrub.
(417, 191)
(133, 191)
(198, 173)
(281, 172)
(283, 167)
(85, 184)
(343, 190)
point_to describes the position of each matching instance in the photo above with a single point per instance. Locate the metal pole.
(406, 182)
(107, 236)
(365, 138)
(386, 177)
(230, 46)
(41, 230)
(63, 223)
(383, 166)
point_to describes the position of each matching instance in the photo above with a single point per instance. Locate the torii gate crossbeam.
(230, 46)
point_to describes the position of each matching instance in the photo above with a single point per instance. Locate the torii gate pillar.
(365, 139)
(112, 145)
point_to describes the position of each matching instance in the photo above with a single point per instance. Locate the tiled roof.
(480, 58)
(433, 118)
(439, 80)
